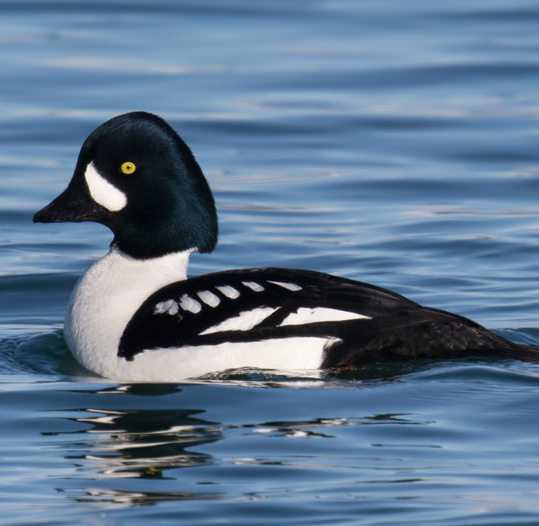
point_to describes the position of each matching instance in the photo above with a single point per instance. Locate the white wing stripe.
(254, 286)
(209, 298)
(188, 303)
(244, 322)
(305, 315)
(228, 291)
(289, 286)
(166, 307)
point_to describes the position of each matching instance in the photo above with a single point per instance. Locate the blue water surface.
(386, 141)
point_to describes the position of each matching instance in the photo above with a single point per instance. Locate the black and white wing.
(366, 324)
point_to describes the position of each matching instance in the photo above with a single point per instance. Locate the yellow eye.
(128, 168)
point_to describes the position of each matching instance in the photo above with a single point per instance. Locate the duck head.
(136, 176)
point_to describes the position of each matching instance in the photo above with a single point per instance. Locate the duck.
(135, 316)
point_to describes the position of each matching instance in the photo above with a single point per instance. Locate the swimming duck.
(134, 315)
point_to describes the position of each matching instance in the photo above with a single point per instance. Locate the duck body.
(134, 315)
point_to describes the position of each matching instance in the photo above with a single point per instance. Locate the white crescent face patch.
(103, 192)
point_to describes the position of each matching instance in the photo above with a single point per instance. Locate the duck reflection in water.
(138, 443)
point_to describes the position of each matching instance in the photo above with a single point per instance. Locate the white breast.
(106, 298)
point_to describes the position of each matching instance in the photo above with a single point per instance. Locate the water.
(391, 142)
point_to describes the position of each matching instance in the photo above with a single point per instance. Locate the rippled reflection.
(153, 441)
(144, 443)
(138, 443)
(115, 496)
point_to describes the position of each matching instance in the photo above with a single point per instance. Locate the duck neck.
(128, 281)
(150, 274)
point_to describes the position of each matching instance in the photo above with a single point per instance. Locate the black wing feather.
(399, 329)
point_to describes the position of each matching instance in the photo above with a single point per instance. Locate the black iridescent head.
(137, 176)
